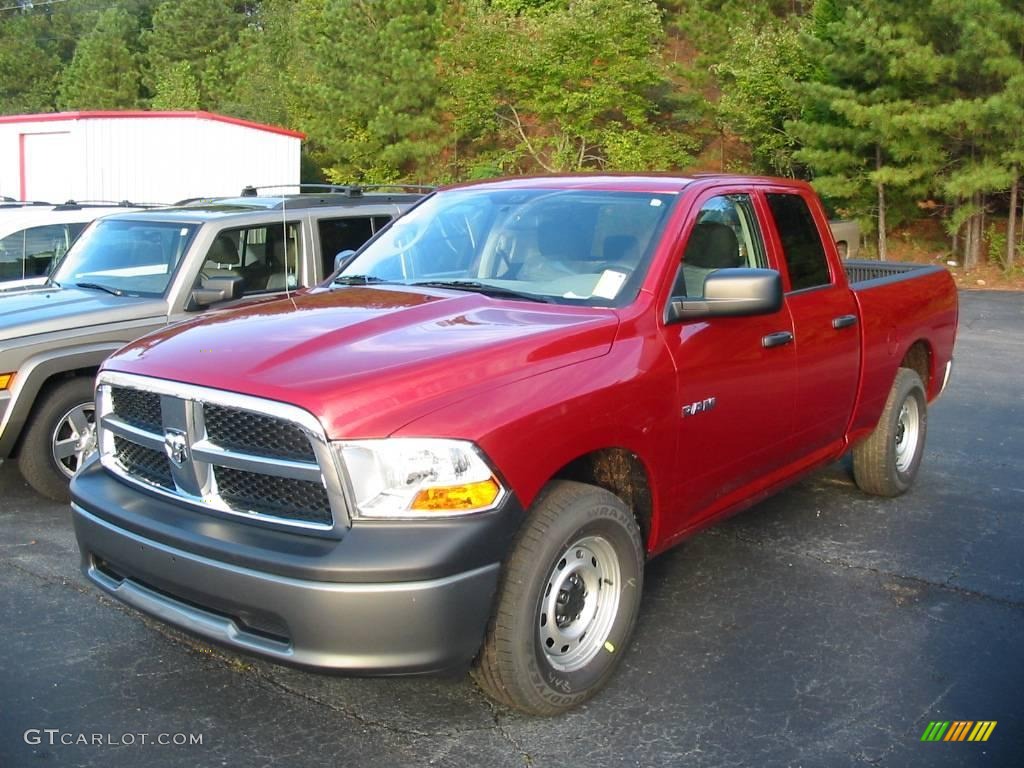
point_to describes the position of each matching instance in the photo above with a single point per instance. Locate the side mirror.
(342, 259)
(732, 293)
(217, 289)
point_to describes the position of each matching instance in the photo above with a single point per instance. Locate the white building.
(148, 157)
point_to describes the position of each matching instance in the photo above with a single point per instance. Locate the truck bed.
(863, 272)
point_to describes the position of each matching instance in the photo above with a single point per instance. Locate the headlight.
(418, 477)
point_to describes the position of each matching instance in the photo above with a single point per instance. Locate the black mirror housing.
(217, 289)
(732, 293)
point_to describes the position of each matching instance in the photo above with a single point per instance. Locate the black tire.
(880, 466)
(513, 666)
(36, 458)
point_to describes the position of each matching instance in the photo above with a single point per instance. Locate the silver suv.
(132, 273)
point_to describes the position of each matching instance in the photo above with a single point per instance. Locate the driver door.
(735, 376)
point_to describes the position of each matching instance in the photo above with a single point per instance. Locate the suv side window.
(265, 257)
(725, 236)
(337, 235)
(801, 243)
(30, 252)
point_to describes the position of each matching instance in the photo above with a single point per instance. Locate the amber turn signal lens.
(5, 380)
(458, 497)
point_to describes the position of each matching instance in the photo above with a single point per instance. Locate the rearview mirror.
(217, 289)
(342, 259)
(732, 293)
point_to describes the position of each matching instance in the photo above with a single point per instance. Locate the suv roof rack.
(75, 205)
(349, 190)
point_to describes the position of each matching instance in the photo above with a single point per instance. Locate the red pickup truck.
(461, 449)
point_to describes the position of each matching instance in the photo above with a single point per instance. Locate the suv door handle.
(844, 321)
(776, 339)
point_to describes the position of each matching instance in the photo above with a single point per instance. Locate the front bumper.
(414, 616)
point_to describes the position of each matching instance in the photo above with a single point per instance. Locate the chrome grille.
(220, 452)
(152, 466)
(140, 409)
(280, 496)
(253, 432)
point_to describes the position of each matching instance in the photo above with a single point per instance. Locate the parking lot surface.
(820, 628)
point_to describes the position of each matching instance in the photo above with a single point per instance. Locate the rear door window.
(801, 244)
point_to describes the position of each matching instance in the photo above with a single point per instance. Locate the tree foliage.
(104, 72)
(888, 107)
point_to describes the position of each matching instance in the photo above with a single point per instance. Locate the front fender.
(33, 374)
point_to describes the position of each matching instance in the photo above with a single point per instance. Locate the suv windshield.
(566, 246)
(132, 257)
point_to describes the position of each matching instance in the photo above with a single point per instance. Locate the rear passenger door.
(824, 314)
(345, 233)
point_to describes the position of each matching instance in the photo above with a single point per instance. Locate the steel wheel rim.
(908, 432)
(74, 438)
(579, 603)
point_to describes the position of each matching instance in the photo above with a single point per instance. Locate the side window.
(337, 235)
(265, 257)
(801, 243)
(725, 236)
(31, 252)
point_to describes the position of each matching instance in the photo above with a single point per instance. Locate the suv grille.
(259, 459)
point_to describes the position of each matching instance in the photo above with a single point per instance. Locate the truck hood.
(368, 360)
(33, 311)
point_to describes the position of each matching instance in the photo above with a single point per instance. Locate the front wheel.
(887, 462)
(568, 602)
(60, 437)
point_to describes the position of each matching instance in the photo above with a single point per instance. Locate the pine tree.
(200, 33)
(105, 70)
(29, 64)
(369, 88)
(176, 88)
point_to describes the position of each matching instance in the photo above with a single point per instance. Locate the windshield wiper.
(487, 290)
(98, 287)
(359, 280)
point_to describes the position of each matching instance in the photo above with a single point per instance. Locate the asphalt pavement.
(820, 628)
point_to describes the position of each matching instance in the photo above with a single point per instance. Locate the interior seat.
(712, 246)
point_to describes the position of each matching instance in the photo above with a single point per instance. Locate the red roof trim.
(56, 116)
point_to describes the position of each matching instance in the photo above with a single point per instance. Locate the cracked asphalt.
(820, 628)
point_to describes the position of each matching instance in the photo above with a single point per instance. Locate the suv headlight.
(418, 477)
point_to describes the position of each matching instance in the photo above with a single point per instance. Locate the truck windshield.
(125, 257)
(566, 246)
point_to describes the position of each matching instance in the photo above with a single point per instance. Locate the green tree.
(200, 33)
(757, 78)
(176, 88)
(29, 64)
(564, 87)
(369, 87)
(105, 71)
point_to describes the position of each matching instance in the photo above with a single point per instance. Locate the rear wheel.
(887, 462)
(61, 435)
(568, 602)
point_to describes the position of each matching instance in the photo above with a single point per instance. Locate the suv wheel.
(61, 435)
(568, 602)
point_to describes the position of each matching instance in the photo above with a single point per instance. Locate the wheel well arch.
(53, 380)
(619, 471)
(920, 359)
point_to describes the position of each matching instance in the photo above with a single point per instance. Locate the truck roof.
(659, 183)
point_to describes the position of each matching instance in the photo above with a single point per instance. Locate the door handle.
(844, 321)
(776, 339)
